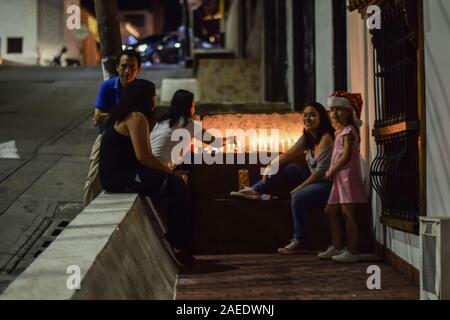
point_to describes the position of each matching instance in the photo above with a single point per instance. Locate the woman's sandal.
(250, 194)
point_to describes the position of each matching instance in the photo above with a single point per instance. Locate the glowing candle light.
(239, 146)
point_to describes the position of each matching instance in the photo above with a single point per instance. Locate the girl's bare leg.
(349, 213)
(336, 225)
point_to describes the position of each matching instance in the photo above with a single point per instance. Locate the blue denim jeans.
(313, 196)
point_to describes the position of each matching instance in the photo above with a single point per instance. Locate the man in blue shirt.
(128, 67)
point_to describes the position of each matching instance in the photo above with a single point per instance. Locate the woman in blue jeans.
(309, 188)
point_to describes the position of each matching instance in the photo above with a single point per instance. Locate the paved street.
(45, 114)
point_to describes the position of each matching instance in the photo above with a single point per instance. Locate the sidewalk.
(274, 277)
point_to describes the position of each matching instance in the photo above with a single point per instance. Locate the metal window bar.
(394, 171)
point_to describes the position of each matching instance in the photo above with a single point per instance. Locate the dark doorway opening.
(304, 52)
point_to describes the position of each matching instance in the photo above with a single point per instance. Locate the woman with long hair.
(309, 188)
(125, 153)
(179, 116)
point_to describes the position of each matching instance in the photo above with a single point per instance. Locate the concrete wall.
(437, 70)
(19, 18)
(50, 29)
(232, 27)
(229, 80)
(118, 245)
(324, 50)
(73, 38)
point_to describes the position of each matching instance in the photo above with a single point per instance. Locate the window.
(15, 45)
(397, 172)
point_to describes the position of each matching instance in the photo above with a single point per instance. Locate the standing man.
(128, 66)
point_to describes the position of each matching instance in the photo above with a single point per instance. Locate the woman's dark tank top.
(118, 164)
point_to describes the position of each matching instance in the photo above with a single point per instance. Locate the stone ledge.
(118, 244)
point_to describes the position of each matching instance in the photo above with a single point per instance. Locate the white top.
(161, 139)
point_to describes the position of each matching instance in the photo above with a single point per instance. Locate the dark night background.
(172, 19)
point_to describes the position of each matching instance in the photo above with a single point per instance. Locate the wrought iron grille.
(395, 169)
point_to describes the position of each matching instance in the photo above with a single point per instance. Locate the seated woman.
(309, 188)
(125, 153)
(180, 115)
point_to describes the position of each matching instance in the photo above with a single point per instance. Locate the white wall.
(437, 71)
(50, 29)
(324, 50)
(73, 38)
(18, 18)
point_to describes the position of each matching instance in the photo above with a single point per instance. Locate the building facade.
(33, 32)
(310, 48)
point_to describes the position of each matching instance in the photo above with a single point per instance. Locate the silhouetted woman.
(125, 153)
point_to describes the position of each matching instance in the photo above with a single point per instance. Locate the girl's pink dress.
(348, 186)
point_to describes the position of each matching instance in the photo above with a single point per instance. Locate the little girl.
(348, 187)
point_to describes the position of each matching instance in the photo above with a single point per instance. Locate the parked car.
(160, 48)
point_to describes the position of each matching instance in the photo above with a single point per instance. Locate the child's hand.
(329, 174)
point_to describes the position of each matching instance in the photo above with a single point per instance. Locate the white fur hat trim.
(339, 102)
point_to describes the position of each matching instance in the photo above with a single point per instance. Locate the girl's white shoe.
(346, 257)
(330, 253)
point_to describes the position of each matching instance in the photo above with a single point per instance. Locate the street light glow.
(142, 48)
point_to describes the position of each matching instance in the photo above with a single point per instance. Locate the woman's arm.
(344, 158)
(99, 117)
(295, 152)
(317, 176)
(138, 128)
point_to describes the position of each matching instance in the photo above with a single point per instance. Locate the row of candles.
(265, 144)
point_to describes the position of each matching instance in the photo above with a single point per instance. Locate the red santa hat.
(352, 101)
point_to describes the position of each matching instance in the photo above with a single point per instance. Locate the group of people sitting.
(132, 154)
